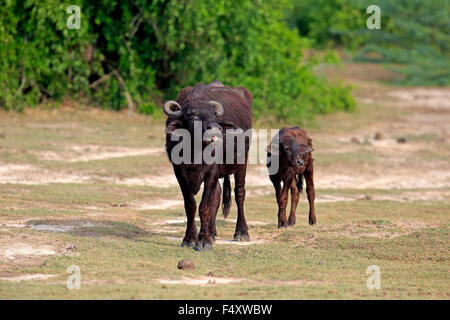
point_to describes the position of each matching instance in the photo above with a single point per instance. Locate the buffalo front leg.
(241, 232)
(190, 207)
(282, 200)
(276, 181)
(204, 242)
(310, 192)
(295, 196)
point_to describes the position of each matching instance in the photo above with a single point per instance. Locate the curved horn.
(217, 106)
(167, 108)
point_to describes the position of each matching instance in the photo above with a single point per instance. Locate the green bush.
(39, 56)
(414, 36)
(329, 23)
(149, 50)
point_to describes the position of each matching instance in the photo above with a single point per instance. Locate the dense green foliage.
(328, 22)
(416, 38)
(148, 50)
(414, 35)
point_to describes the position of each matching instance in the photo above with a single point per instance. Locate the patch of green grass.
(335, 268)
(124, 258)
(348, 158)
(127, 250)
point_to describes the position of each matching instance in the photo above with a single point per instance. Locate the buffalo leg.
(190, 207)
(204, 237)
(276, 181)
(282, 200)
(214, 209)
(241, 232)
(295, 196)
(310, 192)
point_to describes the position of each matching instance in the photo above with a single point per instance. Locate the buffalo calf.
(292, 149)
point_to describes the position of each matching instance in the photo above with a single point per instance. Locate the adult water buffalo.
(210, 111)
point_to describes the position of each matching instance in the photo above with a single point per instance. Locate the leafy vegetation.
(413, 39)
(328, 23)
(136, 53)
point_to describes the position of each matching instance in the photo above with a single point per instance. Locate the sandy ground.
(84, 153)
(203, 281)
(426, 111)
(19, 250)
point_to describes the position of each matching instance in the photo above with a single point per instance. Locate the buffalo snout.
(212, 133)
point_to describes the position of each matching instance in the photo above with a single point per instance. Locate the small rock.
(185, 264)
(401, 140)
(71, 247)
(378, 136)
(321, 262)
(119, 205)
(211, 274)
(355, 140)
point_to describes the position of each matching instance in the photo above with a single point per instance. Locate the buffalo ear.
(172, 126)
(272, 150)
(307, 150)
(269, 150)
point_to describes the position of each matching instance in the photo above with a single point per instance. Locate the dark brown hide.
(237, 104)
(295, 162)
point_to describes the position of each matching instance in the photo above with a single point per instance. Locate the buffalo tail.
(226, 197)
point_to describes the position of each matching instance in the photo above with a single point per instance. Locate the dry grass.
(92, 188)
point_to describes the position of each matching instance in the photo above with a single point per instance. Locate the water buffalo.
(213, 110)
(292, 149)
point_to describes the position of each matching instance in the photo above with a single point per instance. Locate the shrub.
(414, 35)
(148, 51)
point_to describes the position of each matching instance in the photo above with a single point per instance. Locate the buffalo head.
(290, 149)
(196, 113)
(294, 152)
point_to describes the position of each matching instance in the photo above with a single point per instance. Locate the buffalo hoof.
(291, 223)
(202, 245)
(241, 237)
(312, 220)
(189, 244)
(282, 225)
